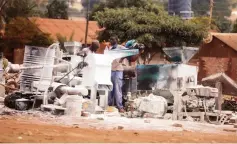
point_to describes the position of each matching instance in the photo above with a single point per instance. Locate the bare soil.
(17, 130)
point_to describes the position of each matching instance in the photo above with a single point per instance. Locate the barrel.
(74, 106)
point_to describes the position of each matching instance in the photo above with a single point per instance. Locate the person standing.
(115, 97)
(95, 45)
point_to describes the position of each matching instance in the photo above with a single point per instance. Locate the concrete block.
(154, 105)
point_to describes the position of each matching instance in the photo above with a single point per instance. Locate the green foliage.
(19, 8)
(204, 21)
(235, 27)
(57, 9)
(61, 39)
(153, 27)
(72, 36)
(147, 4)
(23, 32)
(221, 10)
(10, 9)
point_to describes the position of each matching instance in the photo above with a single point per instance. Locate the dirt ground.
(21, 131)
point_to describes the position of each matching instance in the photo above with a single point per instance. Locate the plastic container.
(74, 106)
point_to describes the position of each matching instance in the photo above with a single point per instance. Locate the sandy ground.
(19, 130)
(33, 126)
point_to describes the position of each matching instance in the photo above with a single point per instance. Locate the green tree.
(57, 9)
(61, 39)
(19, 8)
(235, 27)
(221, 10)
(10, 9)
(22, 32)
(121, 4)
(153, 27)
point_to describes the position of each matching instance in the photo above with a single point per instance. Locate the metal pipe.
(74, 91)
(41, 77)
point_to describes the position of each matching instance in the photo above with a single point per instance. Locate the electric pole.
(87, 21)
(211, 10)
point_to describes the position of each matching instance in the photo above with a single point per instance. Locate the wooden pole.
(87, 21)
(211, 10)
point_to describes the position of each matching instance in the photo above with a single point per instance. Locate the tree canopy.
(121, 4)
(21, 31)
(57, 9)
(235, 27)
(17, 8)
(153, 27)
(221, 10)
(16, 29)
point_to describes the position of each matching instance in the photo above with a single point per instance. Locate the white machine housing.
(72, 47)
(98, 72)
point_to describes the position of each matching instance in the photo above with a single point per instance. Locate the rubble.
(120, 127)
(230, 130)
(235, 126)
(233, 119)
(153, 104)
(177, 125)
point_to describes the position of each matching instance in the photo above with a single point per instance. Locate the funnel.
(180, 54)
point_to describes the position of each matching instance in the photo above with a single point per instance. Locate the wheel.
(10, 100)
(22, 105)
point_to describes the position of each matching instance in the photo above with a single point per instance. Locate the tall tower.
(182, 8)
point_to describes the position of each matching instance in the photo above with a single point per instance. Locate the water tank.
(182, 8)
(35, 56)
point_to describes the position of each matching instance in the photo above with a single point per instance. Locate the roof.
(229, 85)
(67, 27)
(229, 39)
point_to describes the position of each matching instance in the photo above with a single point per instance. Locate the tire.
(10, 100)
(22, 106)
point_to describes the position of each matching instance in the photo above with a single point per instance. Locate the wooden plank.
(220, 96)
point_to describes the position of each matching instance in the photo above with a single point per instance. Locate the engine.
(200, 98)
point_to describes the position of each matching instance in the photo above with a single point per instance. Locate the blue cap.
(130, 43)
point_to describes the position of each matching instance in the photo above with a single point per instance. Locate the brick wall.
(216, 57)
(212, 65)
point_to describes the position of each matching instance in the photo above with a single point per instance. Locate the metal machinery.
(177, 83)
(49, 74)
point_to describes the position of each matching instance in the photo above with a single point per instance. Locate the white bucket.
(74, 106)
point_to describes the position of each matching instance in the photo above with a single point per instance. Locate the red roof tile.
(228, 38)
(67, 27)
